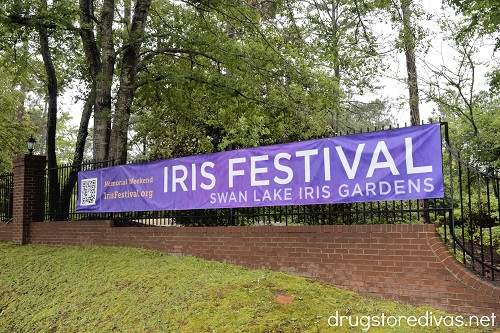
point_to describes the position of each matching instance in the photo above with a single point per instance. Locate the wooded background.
(162, 79)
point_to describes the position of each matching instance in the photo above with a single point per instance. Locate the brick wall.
(407, 263)
(6, 231)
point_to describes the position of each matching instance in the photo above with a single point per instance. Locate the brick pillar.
(29, 195)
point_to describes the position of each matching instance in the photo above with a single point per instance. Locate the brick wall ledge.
(406, 263)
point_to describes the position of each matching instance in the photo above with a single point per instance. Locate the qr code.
(88, 192)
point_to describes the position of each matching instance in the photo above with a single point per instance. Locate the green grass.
(111, 289)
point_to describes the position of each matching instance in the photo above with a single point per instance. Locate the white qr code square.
(88, 192)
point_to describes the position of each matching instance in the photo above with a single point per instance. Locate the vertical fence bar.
(452, 200)
(496, 192)
(461, 198)
(490, 243)
(471, 222)
(480, 222)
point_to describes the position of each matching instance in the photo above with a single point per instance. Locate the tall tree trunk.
(83, 132)
(411, 67)
(102, 110)
(51, 120)
(336, 98)
(101, 66)
(77, 157)
(126, 92)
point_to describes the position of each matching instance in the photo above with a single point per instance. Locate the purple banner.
(396, 164)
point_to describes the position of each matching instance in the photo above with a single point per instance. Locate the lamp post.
(31, 144)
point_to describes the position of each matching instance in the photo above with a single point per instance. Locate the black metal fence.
(6, 197)
(363, 213)
(473, 230)
(468, 215)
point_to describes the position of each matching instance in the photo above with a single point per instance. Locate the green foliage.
(215, 75)
(480, 145)
(22, 65)
(108, 289)
(483, 16)
(489, 238)
(470, 110)
(13, 132)
(476, 220)
(241, 76)
(65, 139)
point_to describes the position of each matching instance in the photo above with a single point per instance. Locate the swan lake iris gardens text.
(399, 164)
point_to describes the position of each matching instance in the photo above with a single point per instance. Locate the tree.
(125, 96)
(343, 42)
(215, 89)
(13, 132)
(274, 78)
(483, 19)
(52, 92)
(409, 40)
(404, 15)
(483, 15)
(65, 139)
(468, 108)
(98, 38)
(254, 63)
(23, 74)
(453, 87)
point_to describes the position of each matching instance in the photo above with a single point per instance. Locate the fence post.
(29, 195)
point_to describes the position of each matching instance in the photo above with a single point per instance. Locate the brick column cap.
(29, 159)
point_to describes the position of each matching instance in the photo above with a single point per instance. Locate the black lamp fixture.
(31, 144)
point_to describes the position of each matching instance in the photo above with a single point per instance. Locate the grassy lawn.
(111, 289)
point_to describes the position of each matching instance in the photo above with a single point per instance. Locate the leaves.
(227, 74)
(216, 74)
